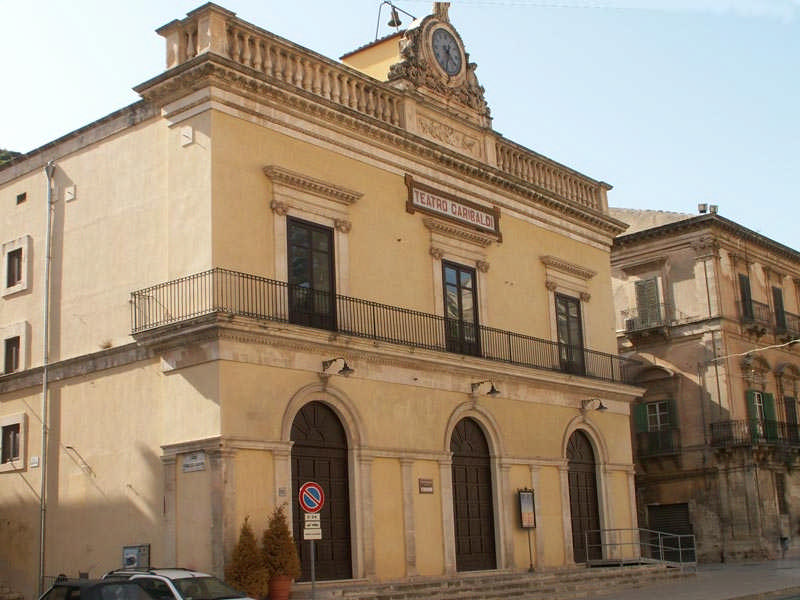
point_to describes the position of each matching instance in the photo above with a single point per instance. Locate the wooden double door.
(584, 511)
(319, 454)
(473, 502)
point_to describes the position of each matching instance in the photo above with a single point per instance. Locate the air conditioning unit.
(630, 324)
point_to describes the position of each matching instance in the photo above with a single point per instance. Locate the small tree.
(246, 571)
(279, 551)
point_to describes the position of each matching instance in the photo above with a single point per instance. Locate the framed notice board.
(527, 514)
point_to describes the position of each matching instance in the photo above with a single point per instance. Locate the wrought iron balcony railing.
(726, 434)
(230, 292)
(755, 313)
(641, 318)
(787, 324)
(658, 443)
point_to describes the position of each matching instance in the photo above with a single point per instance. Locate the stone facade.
(710, 310)
(222, 248)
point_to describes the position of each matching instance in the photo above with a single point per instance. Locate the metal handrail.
(659, 442)
(755, 312)
(648, 316)
(221, 291)
(639, 546)
(748, 432)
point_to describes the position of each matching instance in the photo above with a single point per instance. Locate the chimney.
(713, 208)
(702, 208)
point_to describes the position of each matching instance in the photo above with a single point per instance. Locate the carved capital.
(586, 296)
(279, 208)
(551, 285)
(436, 253)
(706, 246)
(483, 266)
(342, 225)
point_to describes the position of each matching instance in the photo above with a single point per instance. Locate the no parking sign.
(311, 497)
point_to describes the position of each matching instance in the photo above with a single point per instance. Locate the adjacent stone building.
(710, 309)
(277, 268)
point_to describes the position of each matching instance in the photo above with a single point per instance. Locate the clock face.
(446, 50)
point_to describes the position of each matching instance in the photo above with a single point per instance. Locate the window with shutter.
(640, 417)
(647, 303)
(770, 417)
(746, 297)
(777, 304)
(658, 415)
(570, 334)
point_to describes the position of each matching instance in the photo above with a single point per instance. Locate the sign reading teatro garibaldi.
(435, 202)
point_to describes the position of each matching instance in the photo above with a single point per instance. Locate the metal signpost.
(312, 499)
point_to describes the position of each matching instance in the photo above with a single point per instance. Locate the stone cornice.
(304, 183)
(214, 328)
(567, 267)
(213, 70)
(459, 233)
(718, 225)
(76, 367)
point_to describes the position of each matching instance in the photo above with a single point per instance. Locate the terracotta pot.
(279, 587)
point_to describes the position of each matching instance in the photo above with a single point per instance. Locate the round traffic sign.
(311, 497)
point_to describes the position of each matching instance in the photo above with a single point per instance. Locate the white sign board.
(196, 461)
(312, 534)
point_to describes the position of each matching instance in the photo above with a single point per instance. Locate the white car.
(178, 584)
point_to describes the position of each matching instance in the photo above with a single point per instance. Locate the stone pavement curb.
(774, 594)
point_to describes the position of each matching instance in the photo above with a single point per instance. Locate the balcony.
(643, 318)
(729, 434)
(755, 316)
(787, 326)
(224, 292)
(658, 443)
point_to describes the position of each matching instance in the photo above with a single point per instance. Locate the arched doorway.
(319, 453)
(584, 511)
(473, 505)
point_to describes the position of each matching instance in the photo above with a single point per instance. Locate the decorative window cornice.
(310, 185)
(569, 268)
(459, 233)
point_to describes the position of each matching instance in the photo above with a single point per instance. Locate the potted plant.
(246, 571)
(279, 555)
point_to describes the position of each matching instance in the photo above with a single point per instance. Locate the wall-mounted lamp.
(345, 370)
(593, 404)
(493, 391)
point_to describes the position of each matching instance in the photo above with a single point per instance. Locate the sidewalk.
(776, 579)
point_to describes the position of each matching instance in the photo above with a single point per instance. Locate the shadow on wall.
(94, 508)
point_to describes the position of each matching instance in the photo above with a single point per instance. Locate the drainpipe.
(49, 170)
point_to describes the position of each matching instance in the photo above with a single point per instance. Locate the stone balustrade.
(212, 29)
(551, 176)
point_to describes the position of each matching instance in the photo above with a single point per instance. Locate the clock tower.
(434, 62)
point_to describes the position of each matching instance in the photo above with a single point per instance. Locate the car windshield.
(204, 588)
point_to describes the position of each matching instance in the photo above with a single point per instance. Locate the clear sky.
(673, 102)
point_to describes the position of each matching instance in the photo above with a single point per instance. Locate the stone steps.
(565, 584)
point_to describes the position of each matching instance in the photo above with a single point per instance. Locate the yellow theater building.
(276, 268)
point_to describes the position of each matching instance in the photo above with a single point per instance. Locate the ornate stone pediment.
(418, 65)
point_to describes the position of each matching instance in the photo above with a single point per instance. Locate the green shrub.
(279, 552)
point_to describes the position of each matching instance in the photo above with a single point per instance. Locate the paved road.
(741, 581)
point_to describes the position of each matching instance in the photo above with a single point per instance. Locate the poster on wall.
(527, 514)
(136, 557)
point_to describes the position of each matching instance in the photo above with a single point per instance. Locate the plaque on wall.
(429, 200)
